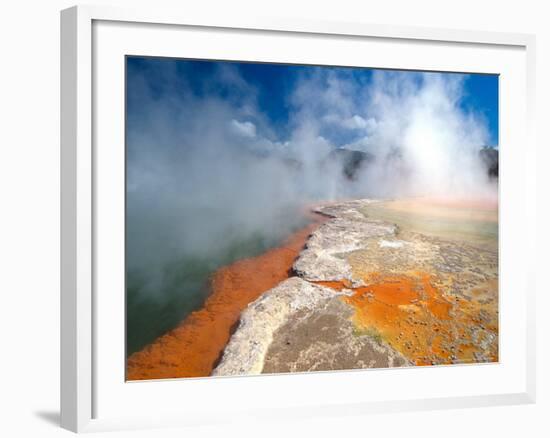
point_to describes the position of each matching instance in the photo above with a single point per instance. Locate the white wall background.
(29, 218)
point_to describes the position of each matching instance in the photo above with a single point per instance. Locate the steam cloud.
(207, 167)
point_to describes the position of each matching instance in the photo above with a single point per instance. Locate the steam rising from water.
(208, 168)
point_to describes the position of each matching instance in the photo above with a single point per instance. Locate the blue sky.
(272, 88)
(482, 95)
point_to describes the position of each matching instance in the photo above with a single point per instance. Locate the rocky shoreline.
(348, 230)
(301, 325)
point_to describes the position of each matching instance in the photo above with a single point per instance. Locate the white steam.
(204, 170)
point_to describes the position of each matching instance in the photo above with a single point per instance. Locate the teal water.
(185, 286)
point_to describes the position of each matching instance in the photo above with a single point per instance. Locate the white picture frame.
(82, 374)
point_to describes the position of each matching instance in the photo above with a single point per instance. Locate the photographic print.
(300, 218)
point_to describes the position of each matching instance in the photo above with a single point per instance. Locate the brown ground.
(193, 348)
(326, 340)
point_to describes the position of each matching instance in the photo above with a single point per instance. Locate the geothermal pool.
(374, 284)
(183, 284)
(192, 347)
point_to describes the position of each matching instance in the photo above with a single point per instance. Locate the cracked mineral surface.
(414, 282)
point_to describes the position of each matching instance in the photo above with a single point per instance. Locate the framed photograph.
(343, 212)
